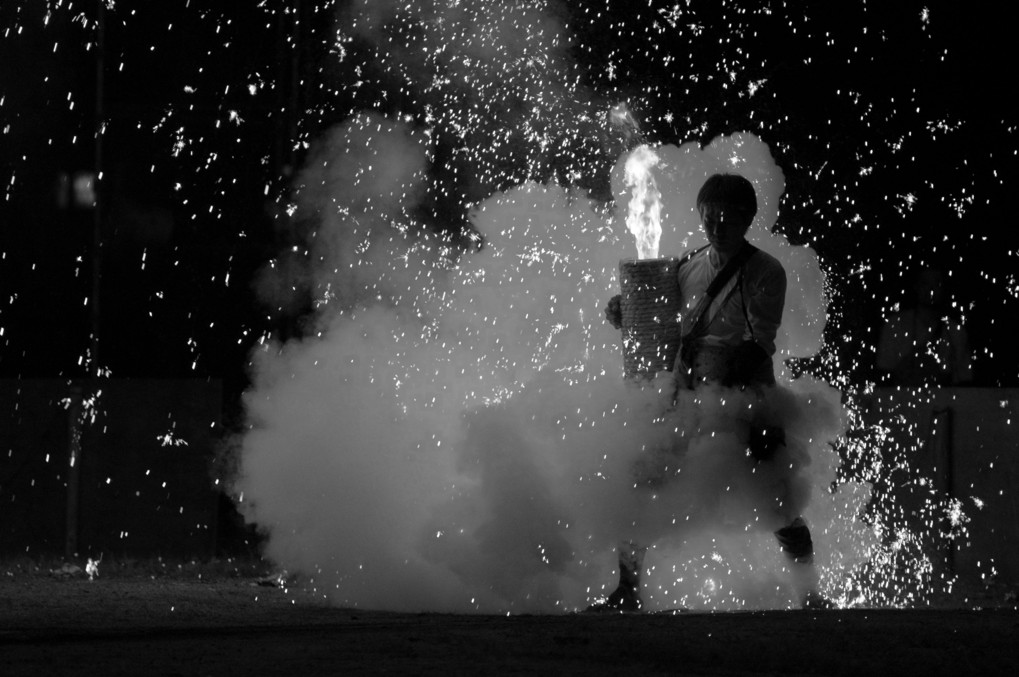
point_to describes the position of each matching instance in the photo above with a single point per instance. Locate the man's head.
(727, 204)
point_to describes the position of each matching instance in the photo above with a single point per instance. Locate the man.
(732, 298)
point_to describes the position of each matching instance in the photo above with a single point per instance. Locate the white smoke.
(460, 437)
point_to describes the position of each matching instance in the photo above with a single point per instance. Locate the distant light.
(77, 190)
(84, 190)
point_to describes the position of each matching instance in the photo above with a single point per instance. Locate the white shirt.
(763, 284)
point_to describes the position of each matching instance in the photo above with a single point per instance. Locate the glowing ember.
(92, 567)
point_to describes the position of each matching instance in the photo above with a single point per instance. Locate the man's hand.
(614, 312)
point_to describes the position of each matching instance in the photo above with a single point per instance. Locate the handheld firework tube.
(650, 307)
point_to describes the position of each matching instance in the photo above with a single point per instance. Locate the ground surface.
(182, 621)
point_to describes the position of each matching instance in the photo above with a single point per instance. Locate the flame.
(644, 218)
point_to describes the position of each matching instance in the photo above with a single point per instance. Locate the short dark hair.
(732, 190)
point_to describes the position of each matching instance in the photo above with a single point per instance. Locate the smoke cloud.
(457, 435)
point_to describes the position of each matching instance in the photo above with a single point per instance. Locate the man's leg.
(799, 547)
(796, 542)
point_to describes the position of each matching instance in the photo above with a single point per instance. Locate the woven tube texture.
(650, 307)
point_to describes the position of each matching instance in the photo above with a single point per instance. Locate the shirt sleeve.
(765, 302)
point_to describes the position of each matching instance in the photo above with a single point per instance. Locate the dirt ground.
(197, 622)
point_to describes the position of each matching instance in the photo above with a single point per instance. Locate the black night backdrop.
(159, 216)
(888, 119)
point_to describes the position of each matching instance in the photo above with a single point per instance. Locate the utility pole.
(75, 413)
(288, 81)
(97, 213)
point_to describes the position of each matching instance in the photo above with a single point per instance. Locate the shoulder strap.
(726, 273)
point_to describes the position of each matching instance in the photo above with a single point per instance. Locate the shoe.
(624, 599)
(626, 596)
(814, 600)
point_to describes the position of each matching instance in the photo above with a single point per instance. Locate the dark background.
(209, 106)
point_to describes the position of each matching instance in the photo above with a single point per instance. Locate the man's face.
(725, 227)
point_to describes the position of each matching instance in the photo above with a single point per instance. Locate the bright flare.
(644, 218)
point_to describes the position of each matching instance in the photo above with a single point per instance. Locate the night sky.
(889, 120)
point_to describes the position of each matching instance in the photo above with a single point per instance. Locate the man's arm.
(765, 299)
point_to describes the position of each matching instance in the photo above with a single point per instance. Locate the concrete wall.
(967, 441)
(141, 491)
(143, 481)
